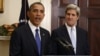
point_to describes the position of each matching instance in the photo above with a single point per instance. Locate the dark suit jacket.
(23, 43)
(62, 34)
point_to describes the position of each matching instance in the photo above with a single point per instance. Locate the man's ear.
(28, 13)
(77, 17)
(44, 14)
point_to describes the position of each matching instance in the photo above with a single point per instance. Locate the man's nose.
(38, 13)
(70, 16)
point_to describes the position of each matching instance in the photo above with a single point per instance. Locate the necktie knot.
(37, 30)
(72, 28)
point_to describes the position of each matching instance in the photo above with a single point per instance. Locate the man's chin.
(70, 24)
(37, 24)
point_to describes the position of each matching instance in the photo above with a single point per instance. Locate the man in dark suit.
(31, 39)
(69, 39)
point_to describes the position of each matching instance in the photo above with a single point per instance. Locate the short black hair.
(36, 3)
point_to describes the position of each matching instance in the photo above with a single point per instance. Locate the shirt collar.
(68, 27)
(32, 26)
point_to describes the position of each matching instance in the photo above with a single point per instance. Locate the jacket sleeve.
(15, 44)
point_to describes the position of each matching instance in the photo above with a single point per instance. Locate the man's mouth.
(38, 19)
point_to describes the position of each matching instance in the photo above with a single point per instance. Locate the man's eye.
(73, 14)
(68, 13)
(34, 10)
(42, 11)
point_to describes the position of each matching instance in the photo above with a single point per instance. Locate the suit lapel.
(78, 40)
(67, 37)
(42, 39)
(65, 33)
(31, 38)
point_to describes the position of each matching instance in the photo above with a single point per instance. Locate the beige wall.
(11, 15)
(4, 47)
(12, 11)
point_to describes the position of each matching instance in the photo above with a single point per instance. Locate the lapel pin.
(43, 34)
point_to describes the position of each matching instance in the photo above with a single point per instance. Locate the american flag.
(23, 14)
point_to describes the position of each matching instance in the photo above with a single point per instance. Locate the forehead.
(72, 11)
(37, 6)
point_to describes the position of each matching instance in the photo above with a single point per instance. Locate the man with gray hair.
(69, 39)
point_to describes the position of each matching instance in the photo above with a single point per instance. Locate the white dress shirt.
(33, 28)
(73, 38)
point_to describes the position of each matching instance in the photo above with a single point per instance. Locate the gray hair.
(74, 7)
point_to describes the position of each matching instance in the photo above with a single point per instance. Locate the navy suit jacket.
(23, 43)
(62, 34)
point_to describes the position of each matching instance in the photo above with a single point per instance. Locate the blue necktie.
(38, 41)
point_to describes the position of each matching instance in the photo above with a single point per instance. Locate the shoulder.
(59, 29)
(21, 28)
(44, 30)
(80, 29)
